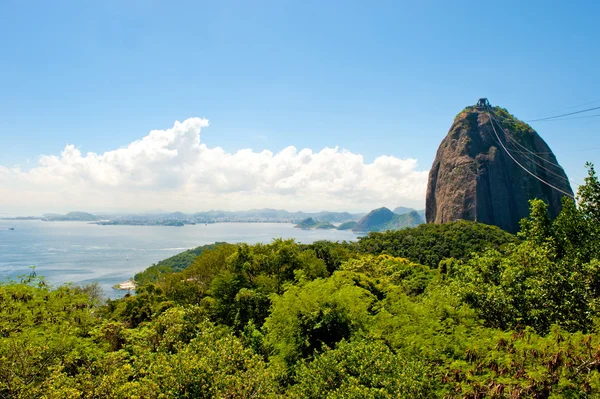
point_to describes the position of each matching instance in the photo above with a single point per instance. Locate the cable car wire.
(570, 119)
(493, 115)
(536, 154)
(512, 141)
(539, 165)
(522, 167)
(574, 106)
(558, 116)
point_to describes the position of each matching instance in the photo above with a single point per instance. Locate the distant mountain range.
(275, 215)
(377, 220)
(214, 216)
(381, 219)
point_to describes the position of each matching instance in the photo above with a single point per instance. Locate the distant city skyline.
(304, 106)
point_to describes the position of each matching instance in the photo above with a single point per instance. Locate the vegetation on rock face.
(520, 129)
(461, 310)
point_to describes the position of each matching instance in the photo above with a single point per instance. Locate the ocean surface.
(80, 253)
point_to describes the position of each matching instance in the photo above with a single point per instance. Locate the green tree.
(363, 369)
(318, 314)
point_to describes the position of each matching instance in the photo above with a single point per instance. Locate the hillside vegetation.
(175, 263)
(461, 310)
(347, 226)
(383, 219)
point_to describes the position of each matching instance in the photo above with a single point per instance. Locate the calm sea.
(80, 252)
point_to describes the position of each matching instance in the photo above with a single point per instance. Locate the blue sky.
(375, 78)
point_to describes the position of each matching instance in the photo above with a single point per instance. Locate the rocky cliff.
(474, 178)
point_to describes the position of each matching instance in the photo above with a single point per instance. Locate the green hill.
(324, 226)
(347, 226)
(401, 210)
(383, 219)
(307, 223)
(310, 223)
(411, 219)
(175, 263)
(430, 243)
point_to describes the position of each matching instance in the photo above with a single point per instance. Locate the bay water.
(81, 253)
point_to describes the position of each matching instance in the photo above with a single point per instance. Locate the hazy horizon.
(163, 211)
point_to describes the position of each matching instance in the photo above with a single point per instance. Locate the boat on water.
(11, 228)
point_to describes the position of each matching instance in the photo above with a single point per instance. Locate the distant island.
(310, 223)
(214, 216)
(71, 217)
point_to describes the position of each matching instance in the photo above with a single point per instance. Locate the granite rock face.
(474, 178)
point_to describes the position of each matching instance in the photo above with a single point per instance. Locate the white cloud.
(171, 169)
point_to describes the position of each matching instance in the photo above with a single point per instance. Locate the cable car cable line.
(536, 163)
(522, 167)
(570, 119)
(558, 116)
(540, 166)
(536, 154)
(493, 115)
(574, 106)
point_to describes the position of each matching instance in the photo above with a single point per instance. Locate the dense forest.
(460, 310)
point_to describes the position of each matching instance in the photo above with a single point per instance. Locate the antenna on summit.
(483, 102)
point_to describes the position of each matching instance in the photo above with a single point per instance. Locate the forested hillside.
(175, 263)
(461, 310)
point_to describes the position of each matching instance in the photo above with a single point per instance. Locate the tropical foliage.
(461, 310)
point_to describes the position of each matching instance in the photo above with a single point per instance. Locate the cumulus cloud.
(173, 170)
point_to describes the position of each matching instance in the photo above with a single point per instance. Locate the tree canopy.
(461, 310)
